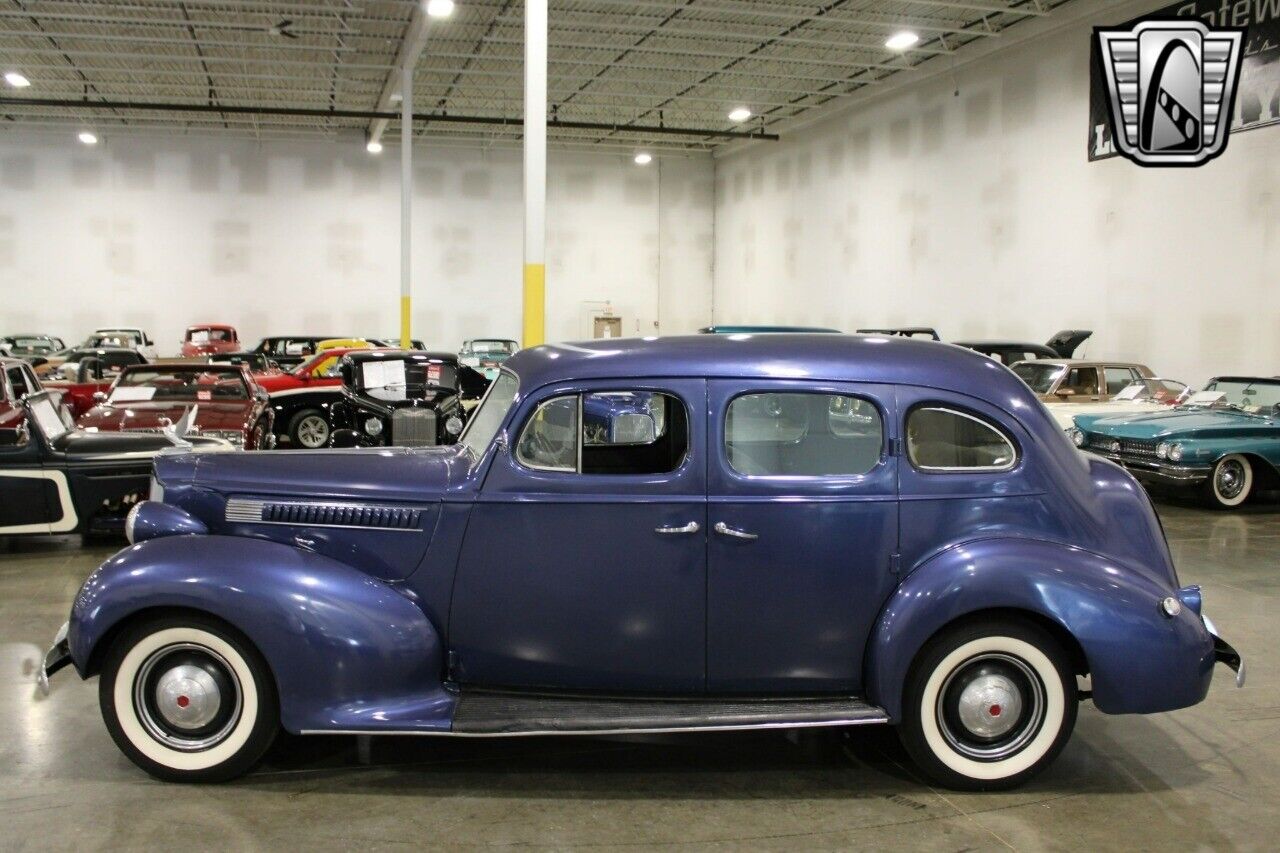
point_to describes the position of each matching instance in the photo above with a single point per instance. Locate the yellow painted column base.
(405, 312)
(535, 304)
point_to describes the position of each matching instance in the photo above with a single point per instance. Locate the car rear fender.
(347, 651)
(1139, 659)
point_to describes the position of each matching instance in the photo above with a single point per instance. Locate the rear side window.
(1118, 378)
(795, 434)
(607, 432)
(940, 439)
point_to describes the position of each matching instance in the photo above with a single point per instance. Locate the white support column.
(535, 171)
(406, 202)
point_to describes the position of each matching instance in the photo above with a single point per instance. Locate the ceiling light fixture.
(373, 146)
(439, 8)
(16, 80)
(644, 158)
(87, 137)
(739, 114)
(902, 40)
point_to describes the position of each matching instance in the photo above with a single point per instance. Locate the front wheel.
(1230, 483)
(310, 429)
(988, 705)
(188, 699)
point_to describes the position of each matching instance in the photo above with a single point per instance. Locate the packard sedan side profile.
(809, 530)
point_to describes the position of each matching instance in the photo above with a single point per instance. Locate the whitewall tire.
(188, 699)
(1230, 483)
(988, 705)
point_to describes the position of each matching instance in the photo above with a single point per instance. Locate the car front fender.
(348, 651)
(1139, 659)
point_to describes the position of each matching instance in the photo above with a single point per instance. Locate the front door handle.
(725, 530)
(691, 527)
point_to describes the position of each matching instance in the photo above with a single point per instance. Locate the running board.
(486, 714)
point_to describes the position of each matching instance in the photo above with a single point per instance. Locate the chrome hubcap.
(990, 707)
(187, 697)
(1230, 479)
(313, 431)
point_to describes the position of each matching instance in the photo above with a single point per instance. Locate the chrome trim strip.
(250, 511)
(881, 718)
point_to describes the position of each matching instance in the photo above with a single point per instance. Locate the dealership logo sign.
(1172, 88)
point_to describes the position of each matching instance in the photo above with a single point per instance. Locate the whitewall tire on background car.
(988, 704)
(188, 699)
(1230, 483)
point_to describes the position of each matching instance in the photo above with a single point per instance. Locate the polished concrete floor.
(1205, 778)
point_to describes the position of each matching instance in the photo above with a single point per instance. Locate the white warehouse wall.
(967, 203)
(288, 237)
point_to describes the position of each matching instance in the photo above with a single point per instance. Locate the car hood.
(1066, 413)
(415, 475)
(131, 416)
(1180, 423)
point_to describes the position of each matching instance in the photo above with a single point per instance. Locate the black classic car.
(290, 350)
(1062, 345)
(55, 478)
(403, 397)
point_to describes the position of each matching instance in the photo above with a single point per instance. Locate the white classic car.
(1141, 395)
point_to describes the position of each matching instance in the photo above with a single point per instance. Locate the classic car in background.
(29, 346)
(124, 336)
(393, 342)
(290, 350)
(1075, 381)
(66, 365)
(1139, 396)
(904, 332)
(766, 330)
(208, 339)
(80, 382)
(301, 398)
(255, 361)
(225, 402)
(1062, 345)
(1223, 441)
(57, 479)
(487, 354)
(402, 398)
(955, 579)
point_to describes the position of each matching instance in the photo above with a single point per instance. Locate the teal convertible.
(1224, 441)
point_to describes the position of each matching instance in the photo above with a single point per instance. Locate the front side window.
(606, 432)
(795, 434)
(484, 422)
(18, 381)
(941, 439)
(1080, 381)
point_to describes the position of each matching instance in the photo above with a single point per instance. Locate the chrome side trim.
(811, 724)
(257, 511)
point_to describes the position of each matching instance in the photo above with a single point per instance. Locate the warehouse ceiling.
(623, 73)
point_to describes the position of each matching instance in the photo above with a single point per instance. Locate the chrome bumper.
(1156, 471)
(58, 656)
(1223, 652)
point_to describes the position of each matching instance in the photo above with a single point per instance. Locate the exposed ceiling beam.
(415, 39)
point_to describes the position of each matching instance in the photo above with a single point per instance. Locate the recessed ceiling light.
(16, 80)
(87, 138)
(902, 40)
(373, 146)
(644, 158)
(439, 8)
(739, 114)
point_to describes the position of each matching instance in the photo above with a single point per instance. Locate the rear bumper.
(1225, 653)
(58, 657)
(1157, 471)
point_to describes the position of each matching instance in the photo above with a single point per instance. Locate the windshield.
(489, 415)
(32, 345)
(493, 347)
(1254, 396)
(204, 336)
(392, 379)
(1040, 377)
(192, 385)
(45, 414)
(114, 339)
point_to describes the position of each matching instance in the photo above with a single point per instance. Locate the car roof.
(852, 358)
(1086, 362)
(1023, 345)
(210, 326)
(767, 330)
(1265, 380)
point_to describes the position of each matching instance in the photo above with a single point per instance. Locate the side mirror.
(1065, 392)
(99, 396)
(453, 426)
(345, 438)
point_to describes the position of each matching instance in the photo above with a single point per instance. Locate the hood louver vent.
(309, 514)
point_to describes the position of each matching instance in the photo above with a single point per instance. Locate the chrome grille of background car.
(413, 428)
(1128, 447)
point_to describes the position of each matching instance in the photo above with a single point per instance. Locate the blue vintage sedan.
(1223, 442)
(808, 530)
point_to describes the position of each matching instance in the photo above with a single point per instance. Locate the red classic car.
(208, 339)
(300, 399)
(79, 382)
(227, 400)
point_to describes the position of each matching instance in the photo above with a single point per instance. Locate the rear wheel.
(988, 705)
(188, 699)
(1230, 483)
(310, 429)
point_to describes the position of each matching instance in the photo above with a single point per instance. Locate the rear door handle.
(691, 527)
(725, 530)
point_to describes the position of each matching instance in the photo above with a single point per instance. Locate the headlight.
(1076, 436)
(1175, 452)
(1114, 447)
(373, 426)
(1162, 450)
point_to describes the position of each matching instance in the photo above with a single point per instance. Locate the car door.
(802, 503)
(28, 494)
(584, 561)
(1118, 377)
